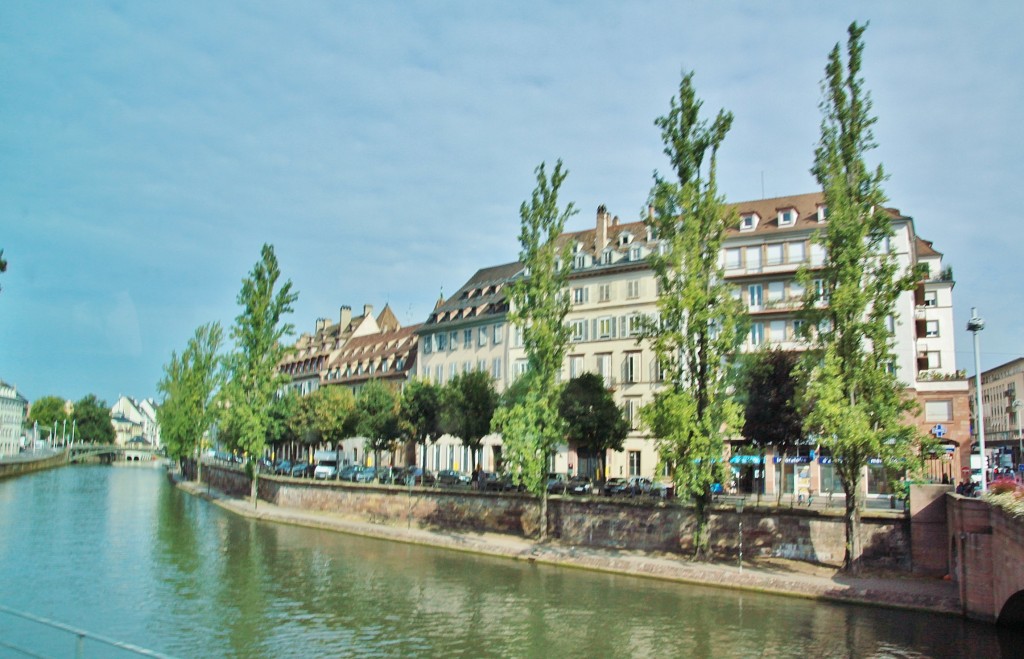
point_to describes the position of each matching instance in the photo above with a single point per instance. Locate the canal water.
(119, 552)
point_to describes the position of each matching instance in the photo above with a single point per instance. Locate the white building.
(135, 421)
(13, 412)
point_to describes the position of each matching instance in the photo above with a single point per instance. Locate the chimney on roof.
(650, 212)
(615, 221)
(367, 310)
(321, 323)
(602, 228)
(346, 317)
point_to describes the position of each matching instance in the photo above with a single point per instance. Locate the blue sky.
(148, 150)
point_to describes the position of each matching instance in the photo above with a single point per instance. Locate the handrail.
(81, 634)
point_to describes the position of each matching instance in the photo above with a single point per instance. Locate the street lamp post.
(1017, 404)
(975, 325)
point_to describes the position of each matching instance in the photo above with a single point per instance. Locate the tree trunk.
(199, 468)
(544, 514)
(851, 558)
(701, 537)
(255, 485)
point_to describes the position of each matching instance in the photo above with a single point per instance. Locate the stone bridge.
(986, 560)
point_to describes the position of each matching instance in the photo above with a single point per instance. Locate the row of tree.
(88, 420)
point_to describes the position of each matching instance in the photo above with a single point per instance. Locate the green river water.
(120, 552)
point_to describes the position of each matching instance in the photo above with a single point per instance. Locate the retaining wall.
(21, 465)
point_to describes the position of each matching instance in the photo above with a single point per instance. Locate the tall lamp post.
(975, 325)
(1017, 404)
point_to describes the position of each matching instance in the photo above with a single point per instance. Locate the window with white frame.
(635, 253)
(931, 298)
(931, 329)
(733, 258)
(633, 289)
(798, 327)
(934, 359)
(442, 341)
(797, 251)
(631, 410)
(604, 368)
(606, 327)
(938, 410)
(755, 295)
(517, 337)
(428, 342)
(481, 365)
(748, 221)
(453, 370)
(634, 463)
(773, 253)
(439, 374)
(775, 291)
(890, 324)
(497, 334)
(756, 334)
(822, 212)
(579, 261)
(496, 368)
(453, 340)
(633, 325)
(754, 258)
(606, 257)
(575, 366)
(631, 367)
(482, 336)
(787, 217)
(777, 328)
(577, 330)
(519, 368)
(580, 295)
(796, 290)
(819, 290)
(467, 338)
(817, 254)
(604, 292)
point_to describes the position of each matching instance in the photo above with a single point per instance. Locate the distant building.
(13, 413)
(135, 420)
(1000, 387)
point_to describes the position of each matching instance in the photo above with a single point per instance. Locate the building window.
(798, 328)
(517, 337)
(519, 368)
(428, 342)
(496, 368)
(931, 298)
(606, 257)
(442, 341)
(604, 292)
(634, 254)
(604, 369)
(453, 340)
(754, 258)
(631, 367)
(938, 410)
(575, 366)
(775, 291)
(817, 254)
(579, 261)
(497, 334)
(633, 325)
(787, 218)
(748, 222)
(819, 291)
(777, 329)
(577, 330)
(934, 359)
(822, 212)
(755, 295)
(773, 254)
(931, 329)
(580, 295)
(634, 463)
(606, 328)
(453, 370)
(481, 365)
(733, 258)
(797, 252)
(756, 334)
(467, 338)
(633, 289)
(439, 374)
(482, 336)
(631, 410)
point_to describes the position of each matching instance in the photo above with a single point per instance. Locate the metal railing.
(80, 637)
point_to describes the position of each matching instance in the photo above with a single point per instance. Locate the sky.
(148, 150)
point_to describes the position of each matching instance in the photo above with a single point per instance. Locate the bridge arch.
(1012, 613)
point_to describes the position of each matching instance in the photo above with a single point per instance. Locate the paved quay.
(776, 576)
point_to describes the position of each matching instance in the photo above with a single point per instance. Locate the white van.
(326, 465)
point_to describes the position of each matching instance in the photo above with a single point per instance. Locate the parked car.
(348, 473)
(579, 485)
(418, 476)
(366, 475)
(663, 489)
(614, 487)
(452, 478)
(302, 470)
(283, 468)
(556, 483)
(390, 475)
(637, 485)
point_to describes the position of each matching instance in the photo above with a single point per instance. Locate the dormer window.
(634, 254)
(625, 238)
(787, 217)
(606, 257)
(748, 221)
(822, 212)
(576, 247)
(579, 261)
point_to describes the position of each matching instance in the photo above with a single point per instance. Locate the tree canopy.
(420, 412)
(468, 403)
(92, 420)
(46, 411)
(377, 408)
(856, 403)
(593, 422)
(700, 325)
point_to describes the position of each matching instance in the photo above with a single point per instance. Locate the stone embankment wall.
(20, 465)
(641, 524)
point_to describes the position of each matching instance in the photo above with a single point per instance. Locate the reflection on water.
(121, 553)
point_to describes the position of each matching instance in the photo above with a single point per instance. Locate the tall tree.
(47, 411)
(254, 379)
(377, 409)
(279, 427)
(593, 422)
(468, 402)
(334, 414)
(532, 428)
(769, 389)
(189, 385)
(856, 403)
(92, 418)
(700, 324)
(3, 263)
(420, 413)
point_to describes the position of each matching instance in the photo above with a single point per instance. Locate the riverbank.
(776, 576)
(26, 463)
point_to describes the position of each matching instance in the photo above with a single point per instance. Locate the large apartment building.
(1002, 393)
(13, 413)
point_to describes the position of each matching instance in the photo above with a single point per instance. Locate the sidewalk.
(777, 576)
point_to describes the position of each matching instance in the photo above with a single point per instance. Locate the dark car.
(452, 478)
(389, 475)
(614, 487)
(492, 482)
(283, 468)
(637, 485)
(366, 475)
(579, 485)
(418, 476)
(556, 483)
(348, 473)
(302, 470)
